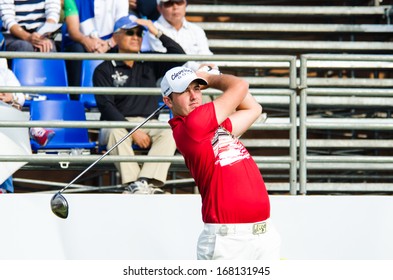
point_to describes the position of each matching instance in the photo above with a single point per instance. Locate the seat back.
(2, 40)
(62, 110)
(42, 72)
(88, 67)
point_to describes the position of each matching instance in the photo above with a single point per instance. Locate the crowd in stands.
(115, 26)
(110, 26)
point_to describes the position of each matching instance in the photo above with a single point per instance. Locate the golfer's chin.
(194, 106)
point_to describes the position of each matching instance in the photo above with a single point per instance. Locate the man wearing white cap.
(235, 202)
(174, 24)
(128, 33)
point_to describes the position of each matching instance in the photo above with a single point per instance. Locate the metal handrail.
(279, 162)
(271, 10)
(306, 161)
(295, 27)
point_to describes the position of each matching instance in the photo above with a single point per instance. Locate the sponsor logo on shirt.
(227, 148)
(119, 79)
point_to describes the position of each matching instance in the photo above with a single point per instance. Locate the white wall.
(115, 226)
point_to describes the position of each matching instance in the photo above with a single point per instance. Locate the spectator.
(22, 21)
(128, 32)
(7, 78)
(174, 24)
(235, 202)
(89, 26)
(146, 9)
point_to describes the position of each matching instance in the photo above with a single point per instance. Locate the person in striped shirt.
(23, 18)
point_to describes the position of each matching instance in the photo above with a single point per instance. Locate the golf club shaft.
(113, 147)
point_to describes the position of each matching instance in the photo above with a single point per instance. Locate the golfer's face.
(185, 102)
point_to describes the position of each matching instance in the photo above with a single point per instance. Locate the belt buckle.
(223, 230)
(259, 228)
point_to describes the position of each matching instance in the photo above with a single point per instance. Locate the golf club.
(59, 204)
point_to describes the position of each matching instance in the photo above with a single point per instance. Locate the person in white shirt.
(174, 24)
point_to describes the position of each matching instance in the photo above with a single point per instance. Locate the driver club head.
(59, 206)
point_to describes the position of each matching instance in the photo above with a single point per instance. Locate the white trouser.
(254, 241)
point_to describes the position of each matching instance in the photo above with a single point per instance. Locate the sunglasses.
(131, 32)
(171, 3)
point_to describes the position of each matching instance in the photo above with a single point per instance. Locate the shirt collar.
(166, 24)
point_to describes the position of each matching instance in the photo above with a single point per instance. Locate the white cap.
(178, 79)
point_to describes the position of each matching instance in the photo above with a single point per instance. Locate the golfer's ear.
(167, 101)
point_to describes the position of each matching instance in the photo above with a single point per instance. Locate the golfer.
(235, 203)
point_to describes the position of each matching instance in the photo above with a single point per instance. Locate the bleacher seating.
(268, 28)
(295, 28)
(66, 140)
(42, 72)
(88, 67)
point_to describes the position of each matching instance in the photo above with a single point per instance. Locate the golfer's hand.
(141, 139)
(210, 68)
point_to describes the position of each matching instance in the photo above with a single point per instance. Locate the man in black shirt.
(128, 34)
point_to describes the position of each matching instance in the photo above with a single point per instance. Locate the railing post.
(303, 141)
(293, 144)
(302, 126)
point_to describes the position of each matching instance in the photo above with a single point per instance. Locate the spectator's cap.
(126, 22)
(163, 1)
(178, 79)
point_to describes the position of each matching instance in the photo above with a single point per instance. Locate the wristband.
(159, 34)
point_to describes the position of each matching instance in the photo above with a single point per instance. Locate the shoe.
(142, 187)
(3, 191)
(42, 136)
(138, 187)
(155, 190)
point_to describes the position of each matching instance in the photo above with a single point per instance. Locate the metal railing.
(270, 10)
(378, 90)
(264, 162)
(374, 90)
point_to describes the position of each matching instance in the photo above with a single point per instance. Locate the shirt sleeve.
(70, 8)
(7, 9)
(52, 10)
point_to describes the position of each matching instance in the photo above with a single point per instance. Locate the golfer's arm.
(234, 91)
(246, 114)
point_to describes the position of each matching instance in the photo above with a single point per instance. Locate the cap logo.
(166, 91)
(181, 73)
